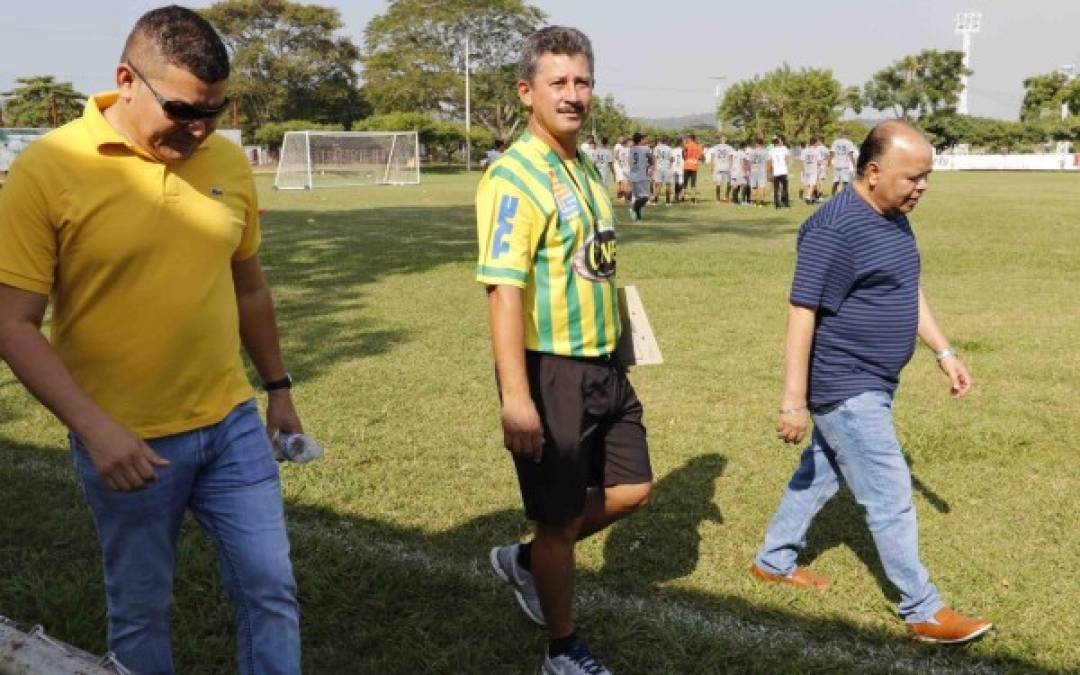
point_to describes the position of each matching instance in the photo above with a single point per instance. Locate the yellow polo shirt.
(135, 255)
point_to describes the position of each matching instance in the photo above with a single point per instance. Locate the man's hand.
(522, 432)
(122, 459)
(957, 372)
(281, 414)
(792, 423)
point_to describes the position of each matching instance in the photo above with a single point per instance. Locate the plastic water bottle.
(299, 448)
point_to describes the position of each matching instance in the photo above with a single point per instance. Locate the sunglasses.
(179, 110)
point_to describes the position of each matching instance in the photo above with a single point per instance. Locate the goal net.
(316, 159)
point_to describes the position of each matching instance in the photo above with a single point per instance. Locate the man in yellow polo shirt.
(570, 418)
(143, 228)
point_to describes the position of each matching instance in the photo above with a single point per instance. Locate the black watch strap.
(283, 383)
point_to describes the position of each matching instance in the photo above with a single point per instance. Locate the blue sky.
(656, 58)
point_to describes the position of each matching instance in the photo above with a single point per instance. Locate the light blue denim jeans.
(855, 443)
(226, 474)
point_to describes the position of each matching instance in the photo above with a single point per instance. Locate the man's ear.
(524, 91)
(125, 79)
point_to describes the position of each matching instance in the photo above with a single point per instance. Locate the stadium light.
(967, 24)
(468, 114)
(1069, 70)
(716, 92)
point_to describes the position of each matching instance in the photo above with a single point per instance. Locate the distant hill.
(705, 118)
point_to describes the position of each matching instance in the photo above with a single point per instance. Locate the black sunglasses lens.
(185, 112)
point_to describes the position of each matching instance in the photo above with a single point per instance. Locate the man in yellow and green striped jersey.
(571, 420)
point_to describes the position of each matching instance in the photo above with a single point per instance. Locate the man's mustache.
(578, 108)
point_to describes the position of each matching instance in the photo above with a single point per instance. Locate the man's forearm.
(258, 333)
(508, 340)
(929, 331)
(39, 368)
(800, 335)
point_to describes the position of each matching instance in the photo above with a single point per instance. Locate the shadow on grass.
(318, 263)
(383, 598)
(664, 229)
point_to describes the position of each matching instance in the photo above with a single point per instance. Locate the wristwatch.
(283, 383)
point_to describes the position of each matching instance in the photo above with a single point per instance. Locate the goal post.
(316, 159)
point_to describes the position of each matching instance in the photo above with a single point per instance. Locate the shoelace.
(583, 659)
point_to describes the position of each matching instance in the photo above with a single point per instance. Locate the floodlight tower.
(967, 24)
(1069, 70)
(716, 93)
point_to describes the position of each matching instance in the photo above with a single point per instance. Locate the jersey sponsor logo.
(508, 207)
(565, 199)
(595, 260)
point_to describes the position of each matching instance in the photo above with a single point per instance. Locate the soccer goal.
(316, 159)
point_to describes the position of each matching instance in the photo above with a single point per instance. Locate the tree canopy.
(924, 84)
(414, 58)
(795, 103)
(1045, 94)
(41, 101)
(288, 62)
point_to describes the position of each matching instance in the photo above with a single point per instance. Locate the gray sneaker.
(577, 660)
(504, 562)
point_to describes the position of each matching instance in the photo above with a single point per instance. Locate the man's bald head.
(177, 36)
(887, 136)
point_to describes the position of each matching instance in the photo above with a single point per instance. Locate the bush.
(272, 134)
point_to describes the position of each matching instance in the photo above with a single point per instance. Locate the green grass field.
(386, 333)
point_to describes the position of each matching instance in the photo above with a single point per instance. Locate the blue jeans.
(855, 443)
(225, 473)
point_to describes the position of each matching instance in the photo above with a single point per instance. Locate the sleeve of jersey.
(508, 224)
(251, 238)
(824, 272)
(28, 255)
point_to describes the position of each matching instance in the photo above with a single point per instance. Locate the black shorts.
(689, 178)
(593, 435)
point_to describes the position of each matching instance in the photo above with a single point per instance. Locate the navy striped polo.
(860, 271)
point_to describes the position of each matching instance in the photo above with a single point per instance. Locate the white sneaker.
(577, 660)
(504, 562)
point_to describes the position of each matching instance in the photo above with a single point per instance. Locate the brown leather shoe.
(799, 577)
(949, 627)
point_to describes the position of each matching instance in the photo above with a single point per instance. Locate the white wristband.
(945, 353)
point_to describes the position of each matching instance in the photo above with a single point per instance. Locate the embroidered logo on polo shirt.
(216, 192)
(565, 198)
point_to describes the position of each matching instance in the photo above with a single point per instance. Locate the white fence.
(1044, 162)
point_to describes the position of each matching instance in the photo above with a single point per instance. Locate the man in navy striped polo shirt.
(855, 309)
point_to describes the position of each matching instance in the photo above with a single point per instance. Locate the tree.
(1045, 94)
(608, 117)
(41, 101)
(797, 104)
(443, 139)
(414, 58)
(924, 84)
(288, 62)
(272, 134)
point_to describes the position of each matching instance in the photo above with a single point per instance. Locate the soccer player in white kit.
(640, 161)
(759, 159)
(677, 169)
(843, 163)
(602, 157)
(663, 179)
(740, 168)
(779, 158)
(720, 155)
(621, 153)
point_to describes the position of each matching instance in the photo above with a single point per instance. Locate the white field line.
(851, 651)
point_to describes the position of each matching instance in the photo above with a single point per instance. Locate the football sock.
(524, 556)
(559, 646)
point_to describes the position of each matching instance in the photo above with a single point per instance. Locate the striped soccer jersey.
(546, 225)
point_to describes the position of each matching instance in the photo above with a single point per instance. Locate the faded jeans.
(855, 443)
(226, 475)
